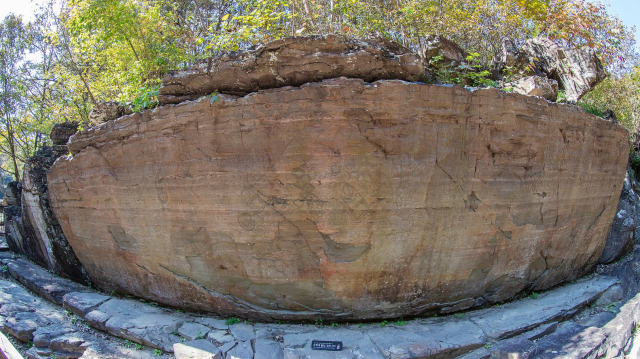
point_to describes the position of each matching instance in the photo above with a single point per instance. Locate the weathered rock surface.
(53, 333)
(536, 86)
(577, 70)
(38, 280)
(504, 322)
(589, 333)
(14, 229)
(107, 111)
(61, 132)
(448, 51)
(42, 233)
(623, 230)
(292, 62)
(342, 199)
(197, 349)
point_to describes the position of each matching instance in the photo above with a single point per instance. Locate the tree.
(15, 129)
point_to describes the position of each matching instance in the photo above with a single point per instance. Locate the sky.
(627, 10)
(18, 7)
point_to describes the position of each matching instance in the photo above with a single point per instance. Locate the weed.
(533, 295)
(458, 315)
(562, 97)
(400, 322)
(29, 344)
(153, 304)
(73, 320)
(53, 356)
(139, 346)
(384, 323)
(611, 307)
(175, 332)
(113, 292)
(199, 336)
(488, 345)
(333, 325)
(5, 267)
(128, 344)
(157, 352)
(319, 322)
(147, 99)
(232, 321)
(592, 109)
(214, 97)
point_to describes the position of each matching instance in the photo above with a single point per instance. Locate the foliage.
(620, 94)
(232, 321)
(20, 129)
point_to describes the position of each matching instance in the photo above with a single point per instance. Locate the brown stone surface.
(341, 199)
(293, 61)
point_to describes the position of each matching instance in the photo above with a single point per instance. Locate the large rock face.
(341, 199)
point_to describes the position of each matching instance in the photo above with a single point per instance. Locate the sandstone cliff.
(341, 199)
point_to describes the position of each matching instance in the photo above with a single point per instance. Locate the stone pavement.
(583, 319)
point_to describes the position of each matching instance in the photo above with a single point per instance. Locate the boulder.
(536, 86)
(437, 46)
(512, 64)
(341, 199)
(577, 70)
(107, 111)
(621, 236)
(292, 62)
(61, 132)
(42, 238)
(447, 60)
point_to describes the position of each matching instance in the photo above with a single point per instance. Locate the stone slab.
(213, 323)
(196, 349)
(622, 328)
(243, 350)
(517, 317)
(428, 338)
(356, 344)
(242, 331)
(571, 341)
(52, 331)
(42, 282)
(519, 347)
(81, 303)
(193, 331)
(137, 322)
(7, 350)
(268, 349)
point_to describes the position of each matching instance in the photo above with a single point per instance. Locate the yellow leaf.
(225, 17)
